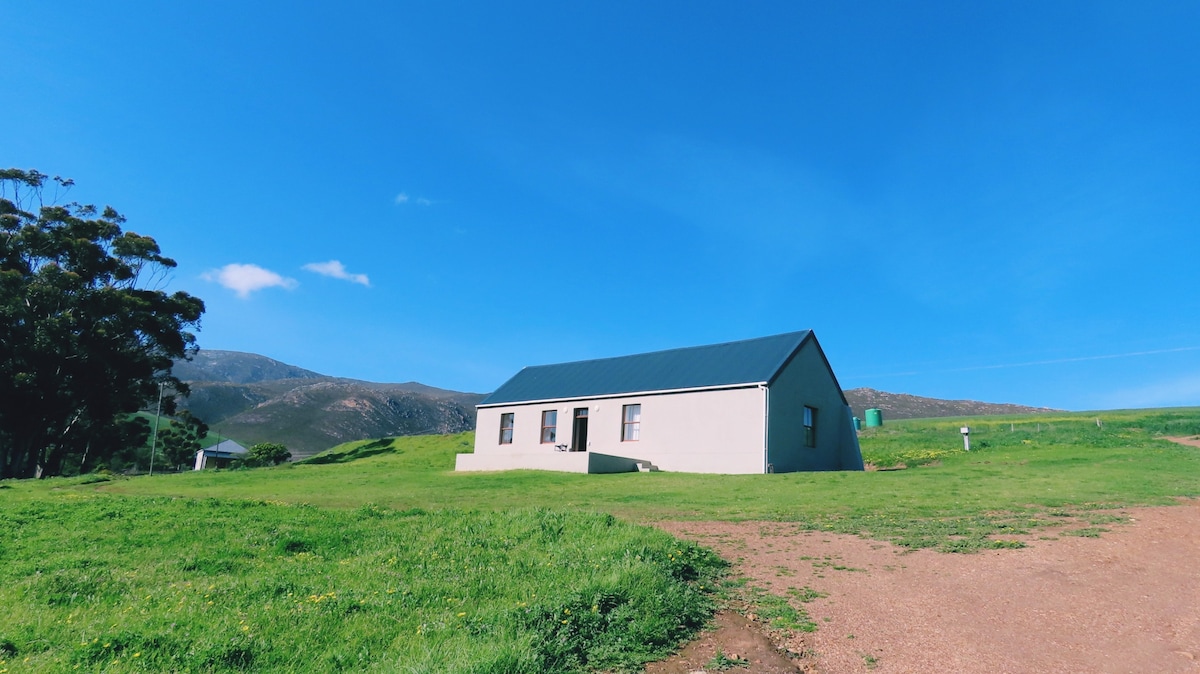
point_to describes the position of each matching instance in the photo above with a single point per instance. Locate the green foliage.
(85, 342)
(100, 582)
(266, 454)
(778, 612)
(1086, 532)
(805, 594)
(182, 439)
(723, 663)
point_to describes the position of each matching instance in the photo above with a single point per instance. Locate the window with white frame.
(549, 426)
(631, 425)
(810, 426)
(506, 428)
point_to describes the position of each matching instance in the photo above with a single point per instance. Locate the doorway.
(579, 430)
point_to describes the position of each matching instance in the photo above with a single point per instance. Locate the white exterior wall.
(713, 431)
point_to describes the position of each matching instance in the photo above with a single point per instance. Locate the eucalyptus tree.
(87, 335)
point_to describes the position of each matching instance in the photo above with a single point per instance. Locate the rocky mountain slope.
(905, 406)
(256, 399)
(237, 368)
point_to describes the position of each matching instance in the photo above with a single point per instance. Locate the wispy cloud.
(244, 279)
(404, 198)
(335, 269)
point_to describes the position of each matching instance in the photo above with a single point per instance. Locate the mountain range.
(252, 398)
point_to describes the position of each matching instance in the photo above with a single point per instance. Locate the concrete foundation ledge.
(566, 462)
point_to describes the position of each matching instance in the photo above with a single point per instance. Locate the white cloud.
(244, 279)
(335, 269)
(404, 198)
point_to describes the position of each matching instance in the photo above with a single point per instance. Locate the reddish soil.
(1128, 601)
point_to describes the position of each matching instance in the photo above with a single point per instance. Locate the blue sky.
(990, 200)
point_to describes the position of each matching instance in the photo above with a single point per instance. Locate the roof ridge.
(671, 350)
(738, 362)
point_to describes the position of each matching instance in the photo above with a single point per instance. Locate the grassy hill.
(375, 555)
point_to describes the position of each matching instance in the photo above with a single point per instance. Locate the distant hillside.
(257, 399)
(905, 406)
(237, 368)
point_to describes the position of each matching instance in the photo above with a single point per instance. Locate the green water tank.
(857, 423)
(874, 417)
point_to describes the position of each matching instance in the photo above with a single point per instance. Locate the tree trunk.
(31, 459)
(83, 462)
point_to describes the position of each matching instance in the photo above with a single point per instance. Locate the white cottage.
(220, 455)
(762, 405)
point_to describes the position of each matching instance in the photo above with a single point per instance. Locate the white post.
(966, 432)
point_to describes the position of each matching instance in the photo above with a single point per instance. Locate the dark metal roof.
(751, 361)
(225, 449)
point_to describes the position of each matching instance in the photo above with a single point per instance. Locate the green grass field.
(93, 582)
(947, 498)
(377, 556)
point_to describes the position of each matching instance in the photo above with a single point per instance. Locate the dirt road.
(1128, 601)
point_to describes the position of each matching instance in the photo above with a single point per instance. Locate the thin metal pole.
(157, 415)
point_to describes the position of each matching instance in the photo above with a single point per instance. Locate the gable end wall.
(806, 380)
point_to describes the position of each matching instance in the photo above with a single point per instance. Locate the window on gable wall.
(631, 425)
(506, 428)
(810, 426)
(549, 426)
